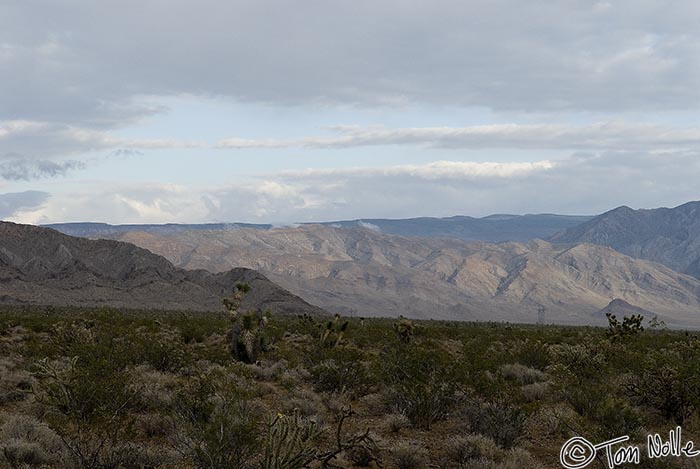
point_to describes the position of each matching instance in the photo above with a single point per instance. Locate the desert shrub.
(534, 353)
(305, 403)
(153, 389)
(498, 420)
(15, 383)
(25, 440)
(217, 426)
(535, 392)
(669, 381)
(408, 456)
(480, 452)
(267, 370)
(581, 361)
(579, 374)
(394, 423)
(521, 373)
(164, 351)
(617, 417)
(464, 451)
(420, 384)
(342, 370)
(374, 404)
(83, 388)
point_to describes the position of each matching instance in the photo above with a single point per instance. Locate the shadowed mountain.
(43, 266)
(363, 272)
(494, 228)
(621, 308)
(669, 236)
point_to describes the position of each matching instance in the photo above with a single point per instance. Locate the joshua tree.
(629, 326)
(404, 329)
(334, 332)
(247, 336)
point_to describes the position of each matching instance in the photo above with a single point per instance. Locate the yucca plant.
(290, 442)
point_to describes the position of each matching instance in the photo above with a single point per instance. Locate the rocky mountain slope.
(43, 266)
(669, 236)
(364, 272)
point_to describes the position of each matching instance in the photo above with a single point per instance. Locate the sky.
(284, 111)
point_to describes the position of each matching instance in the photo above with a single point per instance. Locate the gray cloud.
(609, 136)
(505, 55)
(47, 139)
(23, 169)
(13, 202)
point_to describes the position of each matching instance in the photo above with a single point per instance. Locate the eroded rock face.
(43, 266)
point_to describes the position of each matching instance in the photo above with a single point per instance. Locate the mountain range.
(556, 268)
(360, 271)
(494, 228)
(43, 266)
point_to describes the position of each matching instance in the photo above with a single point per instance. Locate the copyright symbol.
(576, 453)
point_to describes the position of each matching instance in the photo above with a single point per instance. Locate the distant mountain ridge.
(669, 236)
(91, 229)
(364, 272)
(42, 266)
(493, 228)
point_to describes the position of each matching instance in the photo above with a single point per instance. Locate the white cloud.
(431, 171)
(580, 184)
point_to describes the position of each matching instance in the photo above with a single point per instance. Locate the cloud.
(497, 54)
(22, 169)
(14, 202)
(439, 170)
(583, 183)
(46, 139)
(606, 135)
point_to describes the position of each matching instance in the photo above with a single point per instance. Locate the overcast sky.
(145, 111)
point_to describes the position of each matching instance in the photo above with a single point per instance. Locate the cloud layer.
(575, 55)
(579, 184)
(607, 136)
(606, 91)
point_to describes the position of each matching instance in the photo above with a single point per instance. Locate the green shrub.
(421, 385)
(342, 375)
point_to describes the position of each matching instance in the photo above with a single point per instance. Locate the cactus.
(247, 336)
(404, 329)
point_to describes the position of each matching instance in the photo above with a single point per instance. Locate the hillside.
(363, 272)
(43, 266)
(669, 236)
